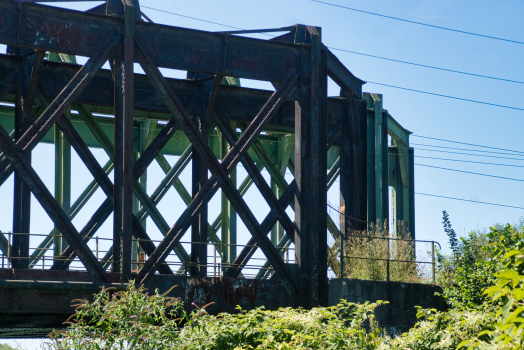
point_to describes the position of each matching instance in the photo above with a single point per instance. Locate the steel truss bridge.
(211, 124)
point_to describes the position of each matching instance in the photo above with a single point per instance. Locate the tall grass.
(366, 254)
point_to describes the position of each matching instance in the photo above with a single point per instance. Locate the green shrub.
(132, 319)
(441, 330)
(507, 294)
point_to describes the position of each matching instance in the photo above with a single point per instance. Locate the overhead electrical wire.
(193, 18)
(468, 200)
(447, 96)
(420, 23)
(467, 154)
(369, 82)
(464, 143)
(427, 66)
(470, 161)
(464, 149)
(469, 172)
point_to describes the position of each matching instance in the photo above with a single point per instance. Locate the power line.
(468, 200)
(469, 172)
(463, 149)
(470, 161)
(420, 23)
(464, 143)
(468, 154)
(428, 66)
(194, 18)
(446, 96)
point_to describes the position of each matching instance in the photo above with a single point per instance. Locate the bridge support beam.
(310, 171)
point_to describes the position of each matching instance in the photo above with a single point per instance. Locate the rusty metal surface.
(42, 299)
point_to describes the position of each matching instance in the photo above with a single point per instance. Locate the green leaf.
(512, 252)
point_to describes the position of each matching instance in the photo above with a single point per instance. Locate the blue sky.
(422, 114)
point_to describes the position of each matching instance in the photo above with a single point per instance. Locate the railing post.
(433, 260)
(9, 240)
(43, 262)
(342, 239)
(96, 238)
(287, 255)
(214, 260)
(387, 262)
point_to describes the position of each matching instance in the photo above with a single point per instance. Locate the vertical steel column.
(410, 220)
(199, 235)
(22, 193)
(377, 163)
(360, 167)
(142, 144)
(228, 214)
(381, 160)
(347, 177)
(310, 171)
(397, 201)
(136, 208)
(282, 159)
(62, 181)
(118, 75)
(124, 106)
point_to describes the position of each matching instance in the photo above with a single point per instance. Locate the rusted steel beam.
(63, 285)
(236, 104)
(105, 184)
(310, 167)
(33, 62)
(251, 246)
(45, 122)
(50, 205)
(257, 177)
(157, 195)
(123, 76)
(77, 33)
(75, 209)
(24, 101)
(155, 147)
(342, 76)
(90, 229)
(95, 222)
(139, 167)
(220, 171)
(199, 228)
(149, 247)
(11, 69)
(248, 251)
(56, 30)
(117, 68)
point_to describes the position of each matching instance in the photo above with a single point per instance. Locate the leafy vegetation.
(132, 319)
(469, 261)
(483, 281)
(7, 347)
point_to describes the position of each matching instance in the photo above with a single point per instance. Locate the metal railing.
(388, 259)
(40, 258)
(257, 267)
